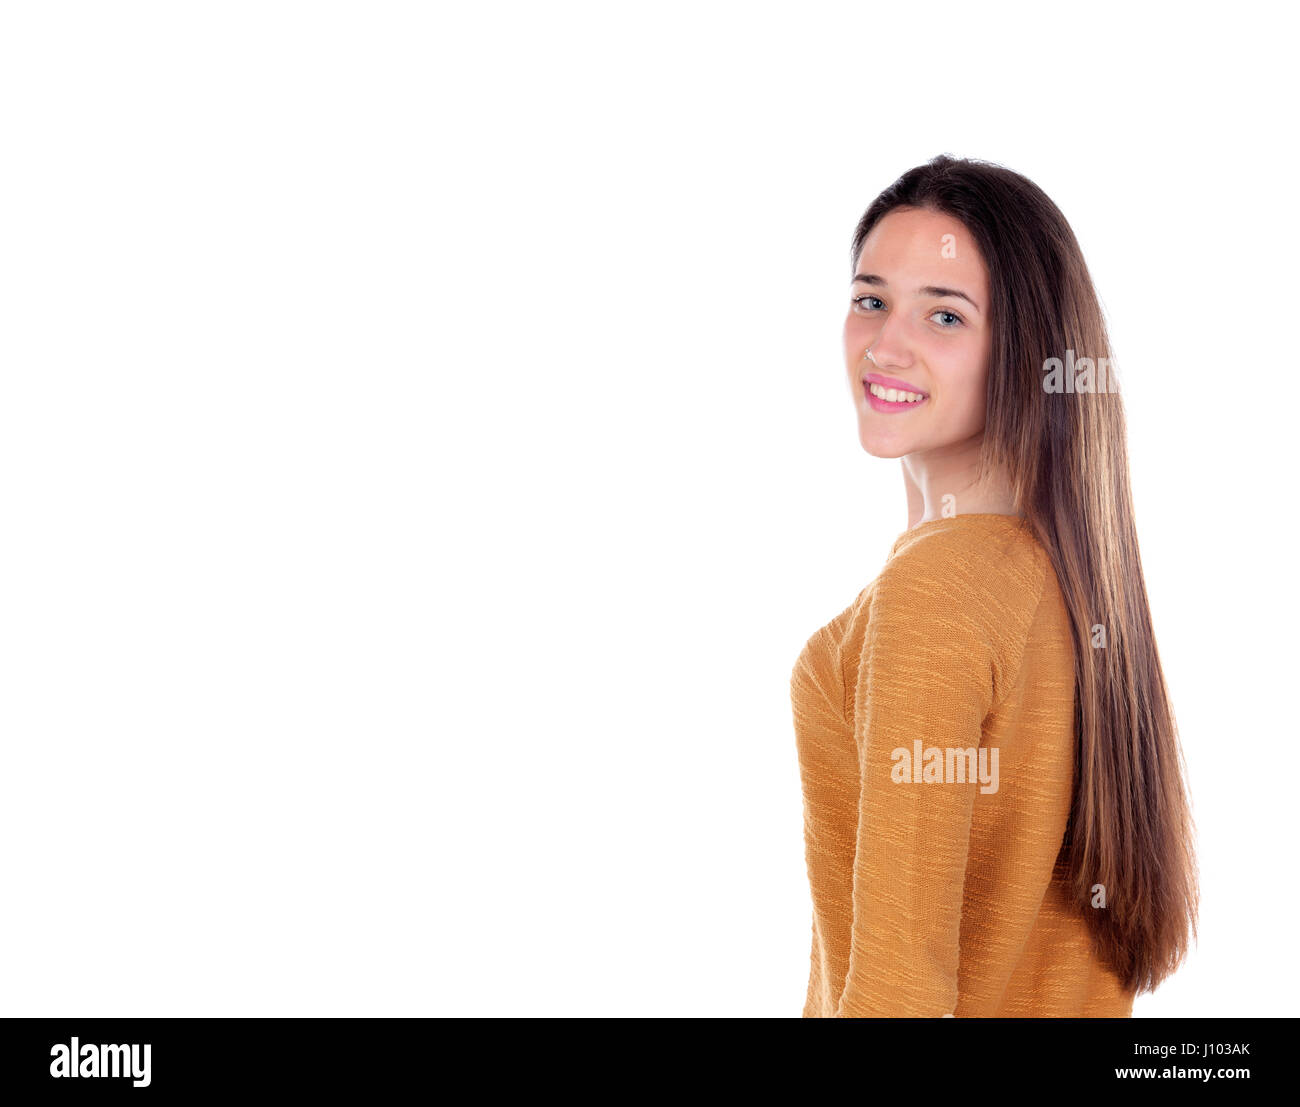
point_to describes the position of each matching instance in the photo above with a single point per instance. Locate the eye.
(858, 300)
(952, 315)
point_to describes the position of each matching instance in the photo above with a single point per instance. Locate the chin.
(886, 448)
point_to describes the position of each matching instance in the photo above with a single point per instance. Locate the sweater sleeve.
(928, 673)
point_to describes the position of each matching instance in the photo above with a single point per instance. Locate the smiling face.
(919, 301)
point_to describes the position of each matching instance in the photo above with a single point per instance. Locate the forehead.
(918, 247)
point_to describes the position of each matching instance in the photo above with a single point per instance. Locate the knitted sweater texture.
(934, 722)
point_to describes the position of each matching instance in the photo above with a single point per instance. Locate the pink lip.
(892, 382)
(884, 406)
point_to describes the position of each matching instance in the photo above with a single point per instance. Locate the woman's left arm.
(927, 676)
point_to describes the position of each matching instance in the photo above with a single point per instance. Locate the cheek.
(965, 385)
(852, 332)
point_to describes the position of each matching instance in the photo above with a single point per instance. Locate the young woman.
(994, 812)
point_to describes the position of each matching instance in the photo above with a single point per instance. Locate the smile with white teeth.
(894, 396)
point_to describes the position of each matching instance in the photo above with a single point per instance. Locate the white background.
(425, 448)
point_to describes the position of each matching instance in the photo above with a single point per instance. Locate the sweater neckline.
(981, 516)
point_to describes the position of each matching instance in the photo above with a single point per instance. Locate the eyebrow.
(927, 290)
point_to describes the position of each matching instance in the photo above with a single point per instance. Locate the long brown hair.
(1130, 828)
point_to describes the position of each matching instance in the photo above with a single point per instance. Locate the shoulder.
(994, 553)
(975, 580)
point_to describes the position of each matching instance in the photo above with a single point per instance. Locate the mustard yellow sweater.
(934, 720)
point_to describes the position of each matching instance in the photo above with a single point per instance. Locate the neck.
(945, 482)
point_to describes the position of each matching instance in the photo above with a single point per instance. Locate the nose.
(890, 349)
